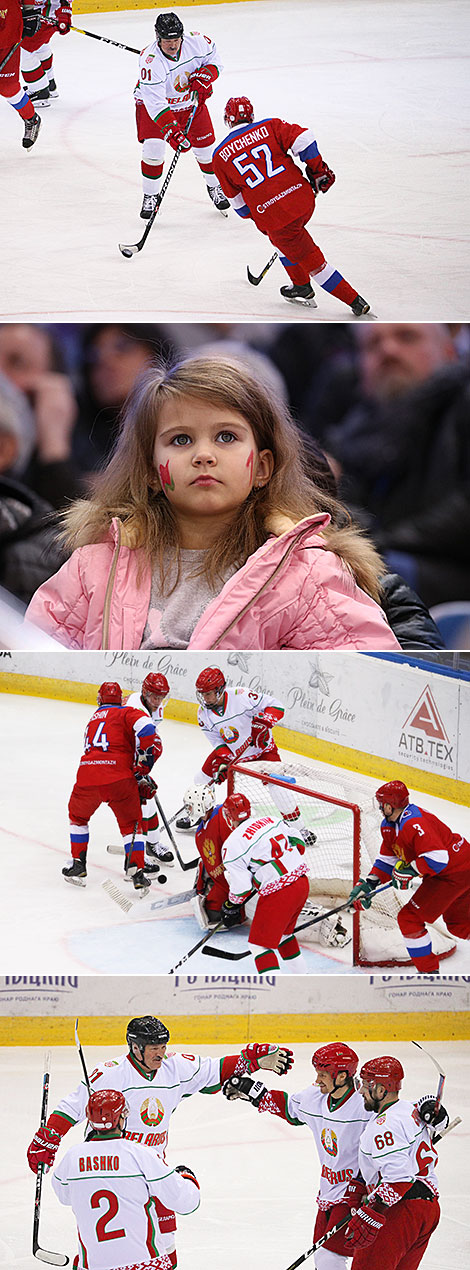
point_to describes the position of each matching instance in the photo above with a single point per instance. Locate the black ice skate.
(300, 294)
(141, 883)
(53, 90)
(151, 869)
(159, 852)
(149, 203)
(186, 824)
(76, 871)
(31, 130)
(360, 307)
(217, 196)
(41, 98)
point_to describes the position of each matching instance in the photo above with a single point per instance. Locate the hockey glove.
(217, 763)
(320, 180)
(403, 875)
(361, 894)
(43, 1148)
(354, 1193)
(260, 731)
(63, 17)
(185, 1171)
(176, 137)
(273, 1058)
(200, 82)
(364, 1227)
(436, 1121)
(242, 1087)
(31, 21)
(232, 914)
(147, 786)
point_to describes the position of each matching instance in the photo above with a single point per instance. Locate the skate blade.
(308, 304)
(75, 881)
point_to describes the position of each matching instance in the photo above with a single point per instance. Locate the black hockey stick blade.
(226, 956)
(255, 281)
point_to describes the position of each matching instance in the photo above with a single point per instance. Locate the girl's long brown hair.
(128, 487)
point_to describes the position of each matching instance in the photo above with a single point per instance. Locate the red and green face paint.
(249, 464)
(167, 481)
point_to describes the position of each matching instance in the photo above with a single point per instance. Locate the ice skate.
(149, 203)
(151, 869)
(53, 90)
(159, 852)
(300, 294)
(360, 307)
(31, 130)
(41, 98)
(141, 883)
(217, 196)
(76, 871)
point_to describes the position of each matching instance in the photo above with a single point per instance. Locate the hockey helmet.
(211, 679)
(146, 1031)
(110, 694)
(386, 1071)
(238, 807)
(336, 1058)
(198, 799)
(169, 27)
(105, 1108)
(157, 684)
(238, 110)
(395, 793)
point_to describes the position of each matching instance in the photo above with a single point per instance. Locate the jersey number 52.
(261, 173)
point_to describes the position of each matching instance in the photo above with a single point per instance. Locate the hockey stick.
(185, 865)
(256, 280)
(324, 1239)
(130, 249)
(92, 35)
(10, 54)
(453, 1125)
(442, 1076)
(208, 935)
(212, 781)
(82, 1058)
(341, 908)
(52, 1258)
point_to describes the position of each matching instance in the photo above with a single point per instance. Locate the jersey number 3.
(244, 165)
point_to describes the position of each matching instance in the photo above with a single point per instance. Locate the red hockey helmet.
(238, 110)
(157, 684)
(211, 679)
(395, 793)
(336, 1058)
(105, 1108)
(237, 806)
(110, 695)
(386, 1071)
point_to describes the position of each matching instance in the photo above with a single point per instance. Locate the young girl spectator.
(205, 530)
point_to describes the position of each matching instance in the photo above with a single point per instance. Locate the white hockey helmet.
(198, 799)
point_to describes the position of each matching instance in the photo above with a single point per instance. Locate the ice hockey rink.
(47, 922)
(258, 1175)
(383, 84)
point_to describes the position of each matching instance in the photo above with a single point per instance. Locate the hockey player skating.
(113, 1187)
(334, 1112)
(425, 848)
(229, 718)
(154, 1083)
(36, 56)
(108, 774)
(18, 22)
(263, 183)
(171, 70)
(393, 1224)
(153, 694)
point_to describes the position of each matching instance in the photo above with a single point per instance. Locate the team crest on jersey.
(210, 851)
(381, 1119)
(228, 734)
(181, 82)
(113, 1062)
(329, 1141)
(150, 58)
(151, 1111)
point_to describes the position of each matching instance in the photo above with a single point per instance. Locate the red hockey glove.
(63, 17)
(364, 1227)
(403, 875)
(148, 757)
(274, 1058)
(175, 137)
(320, 180)
(216, 765)
(147, 786)
(43, 1148)
(200, 82)
(354, 1193)
(260, 731)
(31, 21)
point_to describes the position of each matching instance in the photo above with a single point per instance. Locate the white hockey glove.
(273, 1058)
(245, 1088)
(435, 1121)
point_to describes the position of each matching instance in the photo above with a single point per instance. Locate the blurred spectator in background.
(402, 455)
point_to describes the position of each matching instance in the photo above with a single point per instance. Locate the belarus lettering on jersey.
(419, 837)
(110, 743)
(163, 81)
(258, 175)
(336, 1128)
(230, 724)
(260, 854)
(395, 1150)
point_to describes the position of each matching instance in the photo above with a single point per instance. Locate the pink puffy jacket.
(292, 593)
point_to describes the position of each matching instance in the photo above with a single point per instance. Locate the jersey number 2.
(101, 1232)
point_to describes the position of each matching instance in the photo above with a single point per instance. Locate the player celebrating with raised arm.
(108, 774)
(153, 694)
(171, 70)
(263, 182)
(16, 22)
(154, 1083)
(107, 1170)
(425, 848)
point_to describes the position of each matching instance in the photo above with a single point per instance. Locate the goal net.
(341, 810)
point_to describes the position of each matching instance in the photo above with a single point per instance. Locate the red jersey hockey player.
(36, 56)
(263, 182)
(107, 774)
(427, 848)
(120, 1182)
(153, 694)
(171, 70)
(393, 1225)
(17, 21)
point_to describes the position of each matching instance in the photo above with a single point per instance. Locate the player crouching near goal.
(171, 70)
(428, 849)
(120, 1180)
(263, 183)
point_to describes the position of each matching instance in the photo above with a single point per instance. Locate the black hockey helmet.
(169, 27)
(146, 1031)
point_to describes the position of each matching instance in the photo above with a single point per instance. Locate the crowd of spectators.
(387, 404)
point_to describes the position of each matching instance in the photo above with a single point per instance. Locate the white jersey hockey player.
(176, 71)
(152, 696)
(113, 1186)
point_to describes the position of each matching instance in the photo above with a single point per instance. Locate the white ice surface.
(51, 925)
(258, 1175)
(384, 85)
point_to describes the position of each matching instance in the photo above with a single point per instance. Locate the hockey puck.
(161, 877)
